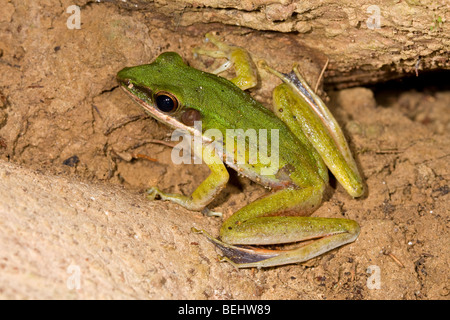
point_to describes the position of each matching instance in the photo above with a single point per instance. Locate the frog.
(276, 229)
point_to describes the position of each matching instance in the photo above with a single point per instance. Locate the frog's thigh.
(308, 124)
(254, 223)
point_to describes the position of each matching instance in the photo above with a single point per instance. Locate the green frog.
(305, 142)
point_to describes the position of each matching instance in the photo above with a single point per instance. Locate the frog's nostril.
(125, 82)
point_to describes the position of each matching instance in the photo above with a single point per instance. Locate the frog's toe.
(153, 193)
(209, 213)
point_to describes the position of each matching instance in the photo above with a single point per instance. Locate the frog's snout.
(123, 80)
(123, 76)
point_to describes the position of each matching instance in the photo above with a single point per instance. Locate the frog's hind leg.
(336, 232)
(308, 117)
(255, 224)
(245, 69)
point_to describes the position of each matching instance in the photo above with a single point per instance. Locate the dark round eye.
(166, 102)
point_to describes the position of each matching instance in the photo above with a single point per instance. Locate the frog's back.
(235, 109)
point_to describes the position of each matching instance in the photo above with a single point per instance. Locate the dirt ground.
(62, 116)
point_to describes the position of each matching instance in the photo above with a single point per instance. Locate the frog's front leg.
(257, 224)
(245, 69)
(206, 191)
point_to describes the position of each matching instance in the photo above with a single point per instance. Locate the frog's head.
(161, 88)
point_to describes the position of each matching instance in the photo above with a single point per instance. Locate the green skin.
(310, 143)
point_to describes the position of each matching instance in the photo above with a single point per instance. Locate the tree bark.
(366, 41)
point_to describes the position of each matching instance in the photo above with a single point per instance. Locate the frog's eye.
(166, 102)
